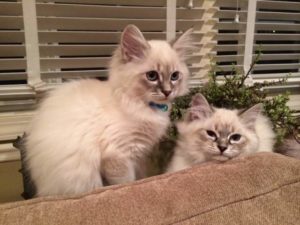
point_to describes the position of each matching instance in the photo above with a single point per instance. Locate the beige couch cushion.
(261, 189)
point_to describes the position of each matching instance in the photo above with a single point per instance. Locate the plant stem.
(250, 69)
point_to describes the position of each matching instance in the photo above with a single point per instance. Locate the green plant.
(234, 93)
(284, 123)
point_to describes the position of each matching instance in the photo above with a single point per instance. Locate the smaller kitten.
(218, 134)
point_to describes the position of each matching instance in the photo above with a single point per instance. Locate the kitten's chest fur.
(134, 134)
(131, 138)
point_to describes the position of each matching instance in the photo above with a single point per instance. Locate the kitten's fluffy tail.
(289, 147)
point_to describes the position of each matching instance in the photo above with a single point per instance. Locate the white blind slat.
(277, 66)
(13, 76)
(194, 13)
(66, 23)
(7, 36)
(78, 50)
(277, 37)
(278, 26)
(229, 67)
(231, 3)
(10, 8)
(277, 47)
(229, 58)
(279, 5)
(105, 24)
(14, 123)
(230, 14)
(11, 22)
(15, 105)
(240, 37)
(278, 56)
(16, 92)
(75, 74)
(102, 11)
(88, 37)
(157, 3)
(83, 62)
(238, 47)
(283, 16)
(12, 50)
(10, 156)
(12, 64)
(231, 26)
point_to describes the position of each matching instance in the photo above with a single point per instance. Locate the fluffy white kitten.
(88, 132)
(220, 134)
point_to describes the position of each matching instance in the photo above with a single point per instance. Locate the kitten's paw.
(117, 171)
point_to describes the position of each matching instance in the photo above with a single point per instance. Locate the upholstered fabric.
(260, 189)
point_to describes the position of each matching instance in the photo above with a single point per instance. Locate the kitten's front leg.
(177, 163)
(117, 170)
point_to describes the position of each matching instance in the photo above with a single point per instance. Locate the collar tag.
(162, 107)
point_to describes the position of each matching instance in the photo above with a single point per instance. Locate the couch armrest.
(261, 189)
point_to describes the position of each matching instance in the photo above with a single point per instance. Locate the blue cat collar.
(162, 107)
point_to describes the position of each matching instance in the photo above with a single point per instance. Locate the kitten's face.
(150, 71)
(223, 134)
(162, 75)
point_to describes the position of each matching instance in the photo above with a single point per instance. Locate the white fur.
(77, 125)
(265, 134)
(88, 130)
(188, 151)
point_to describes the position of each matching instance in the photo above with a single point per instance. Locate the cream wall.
(11, 185)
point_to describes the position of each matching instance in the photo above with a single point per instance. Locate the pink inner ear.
(184, 44)
(133, 44)
(198, 113)
(200, 101)
(131, 48)
(193, 117)
(197, 101)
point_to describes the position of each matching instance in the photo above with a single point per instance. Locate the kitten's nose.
(222, 148)
(166, 92)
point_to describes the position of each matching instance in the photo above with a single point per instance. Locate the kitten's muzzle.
(222, 148)
(166, 92)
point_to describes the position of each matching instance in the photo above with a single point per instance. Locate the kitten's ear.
(133, 44)
(249, 116)
(184, 44)
(200, 108)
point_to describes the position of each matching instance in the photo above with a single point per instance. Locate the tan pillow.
(261, 189)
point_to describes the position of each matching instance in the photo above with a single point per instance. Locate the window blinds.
(77, 37)
(276, 36)
(15, 94)
(230, 36)
(277, 32)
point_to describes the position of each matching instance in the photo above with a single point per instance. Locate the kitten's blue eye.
(175, 76)
(235, 137)
(211, 134)
(152, 75)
